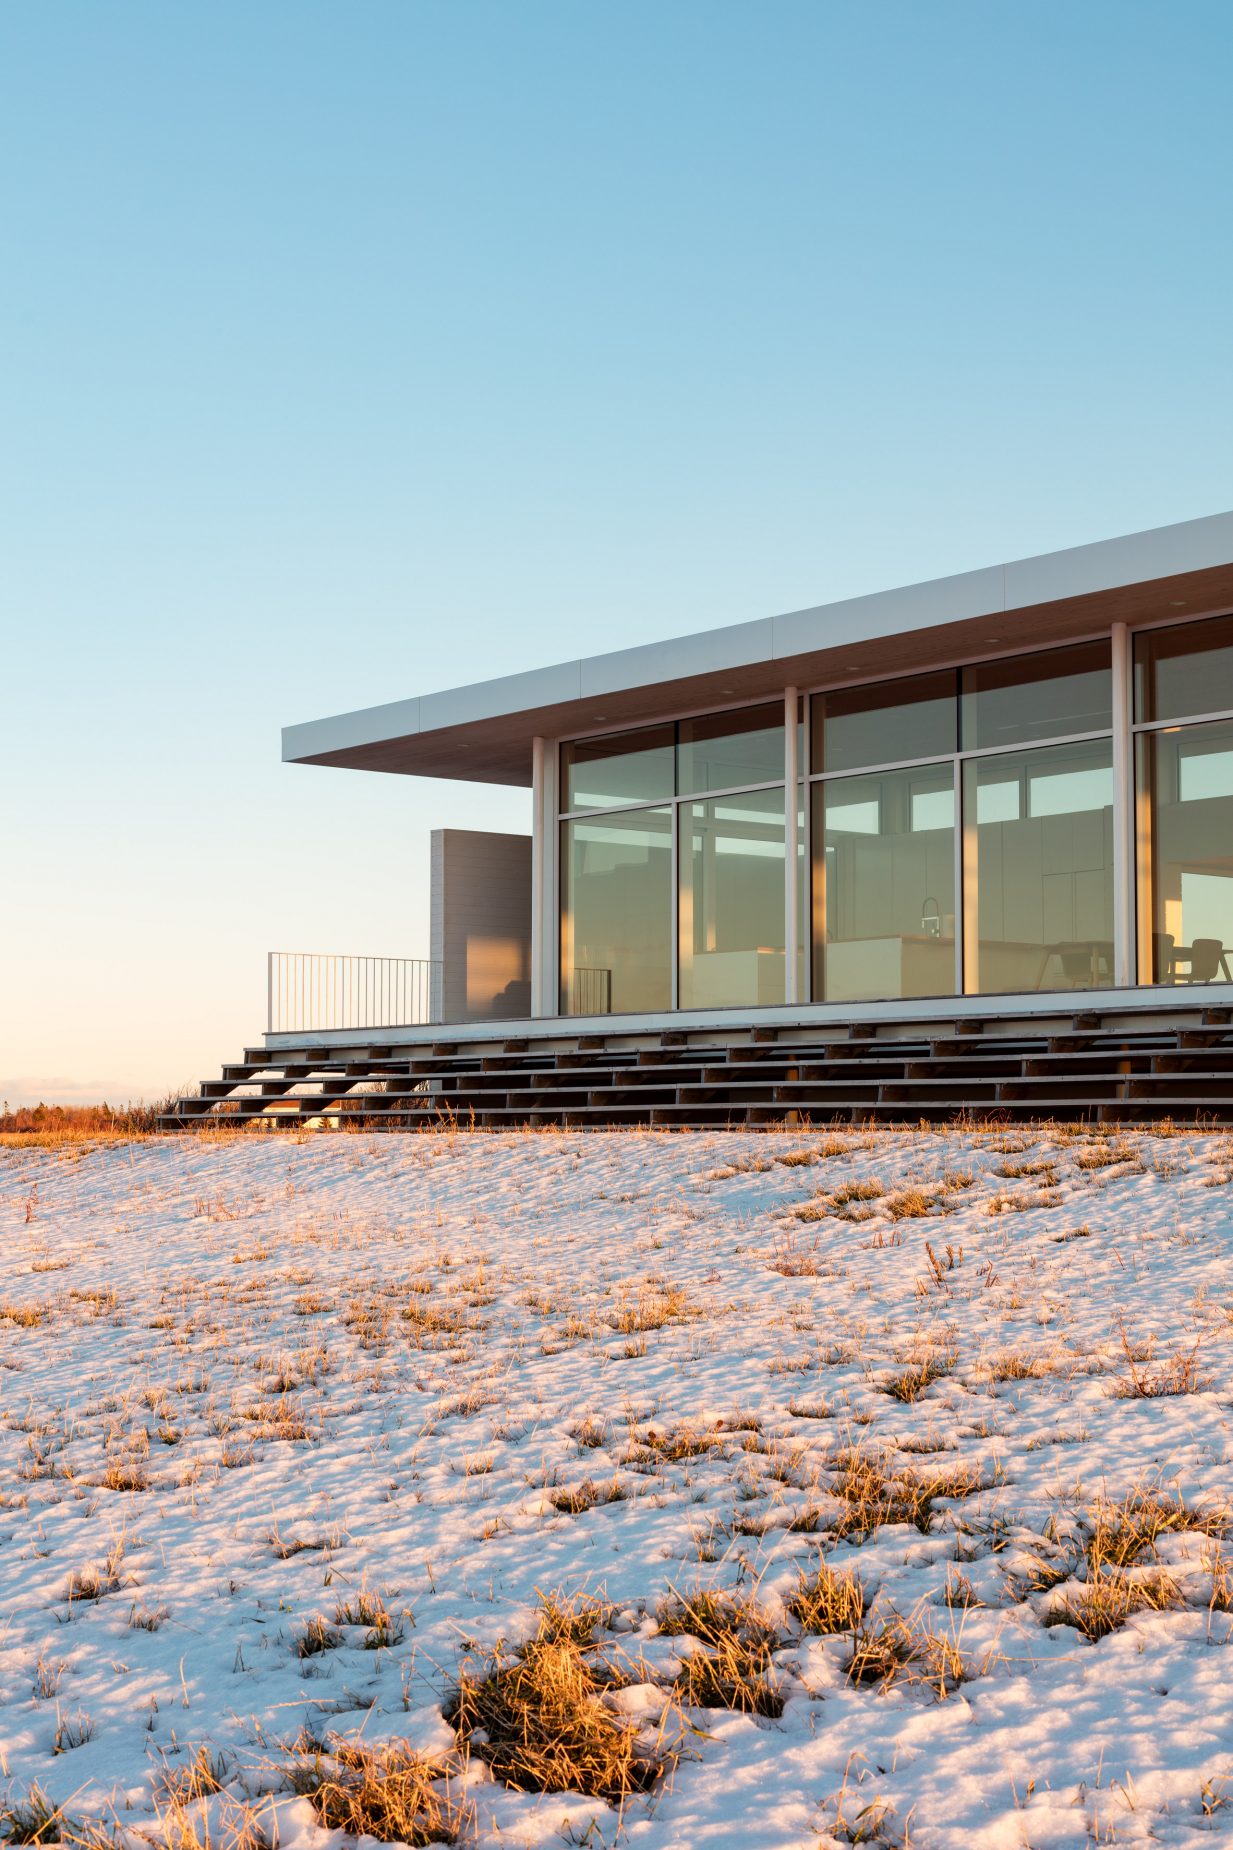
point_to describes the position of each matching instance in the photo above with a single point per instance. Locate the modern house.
(1001, 801)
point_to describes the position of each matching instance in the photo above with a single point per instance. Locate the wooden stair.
(1123, 1066)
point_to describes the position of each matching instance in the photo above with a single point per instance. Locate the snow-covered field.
(244, 1382)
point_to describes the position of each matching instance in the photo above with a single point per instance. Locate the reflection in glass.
(888, 723)
(1038, 853)
(1183, 670)
(624, 767)
(731, 902)
(616, 913)
(884, 885)
(1185, 779)
(724, 750)
(1045, 696)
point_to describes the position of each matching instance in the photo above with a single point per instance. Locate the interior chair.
(1076, 961)
(1207, 961)
(1163, 970)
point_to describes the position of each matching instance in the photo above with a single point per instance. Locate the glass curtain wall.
(691, 834)
(1184, 802)
(884, 884)
(956, 834)
(616, 913)
(1029, 844)
(1038, 866)
(732, 900)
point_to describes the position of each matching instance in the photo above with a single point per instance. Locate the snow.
(430, 1320)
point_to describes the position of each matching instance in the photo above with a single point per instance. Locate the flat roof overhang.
(483, 733)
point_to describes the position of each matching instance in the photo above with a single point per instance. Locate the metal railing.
(309, 991)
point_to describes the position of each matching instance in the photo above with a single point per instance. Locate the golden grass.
(576, 1500)
(1119, 1533)
(871, 1496)
(317, 1637)
(537, 1714)
(49, 1127)
(389, 1793)
(1179, 1373)
(842, 1203)
(672, 1445)
(901, 1651)
(652, 1309)
(1103, 1603)
(33, 1820)
(910, 1383)
(730, 1667)
(828, 1600)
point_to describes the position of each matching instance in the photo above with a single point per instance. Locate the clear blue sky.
(349, 351)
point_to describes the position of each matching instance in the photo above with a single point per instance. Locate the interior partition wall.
(1049, 821)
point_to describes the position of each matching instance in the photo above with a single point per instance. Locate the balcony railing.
(310, 991)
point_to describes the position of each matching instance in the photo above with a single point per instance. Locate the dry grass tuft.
(94, 1583)
(1179, 1374)
(843, 1203)
(1107, 1600)
(653, 1309)
(910, 1383)
(1106, 1155)
(33, 1820)
(586, 1496)
(390, 1793)
(537, 1714)
(903, 1652)
(317, 1637)
(911, 1204)
(871, 1496)
(24, 1316)
(792, 1260)
(828, 1600)
(674, 1445)
(1017, 1365)
(1014, 1172)
(362, 1608)
(730, 1669)
(205, 1774)
(590, 1434)
(125, 1474)
(1119, 1533)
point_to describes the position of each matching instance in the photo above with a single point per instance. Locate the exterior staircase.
(1114, 1066)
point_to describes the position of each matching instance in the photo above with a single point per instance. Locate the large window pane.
(1044, 696)
(616, 913)
(1184, 670)
(1038, 852)
(884, 885)
(1186, 853)
(722, 751)
(884, 724)
(624, 767)
(732, 901)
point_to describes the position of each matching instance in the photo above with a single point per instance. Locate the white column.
(550, 976)
(1124, 958)
(791, 885)
(537, 877)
